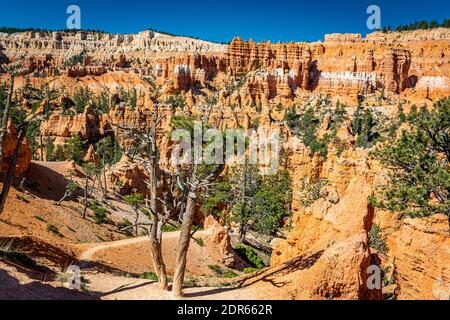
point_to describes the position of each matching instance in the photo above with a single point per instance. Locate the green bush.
(176, 101)
(149, 276)
(224, 273)
(22, 198)
(250, 270)
(191, 282)
(249, 255)
(311, 191)
(109, 150)
(125, 223)
(376, 240)
(75, 59)
(134, 200)
(54, 229)
(100, 213)
(81, 99)
(418, 164)
(75, 149)
(199, 241)
(169, 228)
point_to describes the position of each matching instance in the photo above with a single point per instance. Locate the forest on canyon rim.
(364, 159)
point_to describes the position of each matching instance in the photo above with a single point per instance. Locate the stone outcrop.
(342, 65)
(127, 177)
(342, 212)
(218, 242)
(61, 127)
(347, 64)
(338, 271)
(418, 255)
(416, 263)
(25, 154)
(101, 45)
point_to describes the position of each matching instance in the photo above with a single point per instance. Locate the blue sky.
(275, 20)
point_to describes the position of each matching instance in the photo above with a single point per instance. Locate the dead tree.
(5, 117)
(12, 166)
(198, 181)
(145, 150)
(194, 186)
(89, 170)
(70, 189)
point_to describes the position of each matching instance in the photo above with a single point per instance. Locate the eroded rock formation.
(25, 153)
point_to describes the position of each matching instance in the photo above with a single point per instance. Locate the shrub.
(176, 101)
(101, 101)
(250, 270)
(40, 218)
(191, 282)
(311, 191)
(227, 273)
(22, 198)
(199, 241)
(75, 148)
(109, 150)
(305, 125)
(50, 149)
(52, 228)
(224, 273)
(376, 240)
(149, 276)
(272, 202)
(125, 223)
(134, 200)
(169, 228)
(249, 255)
(368, 126)
(75, 59)
(100, 213)
(418, 164)
(81, 99)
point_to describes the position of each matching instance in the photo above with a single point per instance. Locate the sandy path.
(17, 283)
(112, 287)
(108, 287)
(89, 253)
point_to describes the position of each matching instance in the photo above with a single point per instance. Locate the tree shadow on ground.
(39, 250)
(209, 292)
(12, 289)
(44, 182)
(295, 264)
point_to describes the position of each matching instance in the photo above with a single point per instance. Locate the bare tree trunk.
(5, 117)
(65, 196)
(156, 252)
(86, 185)
(156, 234)
(136, 222)
(105, 183)
(12, 168)
(156, 227)
(100, 182)
(41, 148)
(242, 231)
(183, 246)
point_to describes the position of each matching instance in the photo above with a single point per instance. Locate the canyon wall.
(416, 63)
(346, 64)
